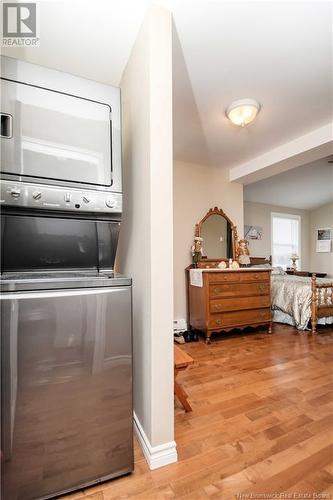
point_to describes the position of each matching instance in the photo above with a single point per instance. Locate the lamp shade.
(243, 111)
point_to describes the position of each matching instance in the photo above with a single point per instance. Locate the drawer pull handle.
(217, 290)
(263, 288)
(217, 307)
(218, 321)
(256, 276)
(6, 126)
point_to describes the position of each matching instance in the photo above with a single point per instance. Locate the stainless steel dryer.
(60, 140)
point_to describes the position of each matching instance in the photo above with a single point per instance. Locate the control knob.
(67, 197)
(37, 195)
(15, 193)
(85, 199)
(110, 203)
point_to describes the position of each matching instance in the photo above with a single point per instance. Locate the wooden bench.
(182, 360)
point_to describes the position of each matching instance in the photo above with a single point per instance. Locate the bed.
(298, 300)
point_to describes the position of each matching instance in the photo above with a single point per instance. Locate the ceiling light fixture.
(243, 111)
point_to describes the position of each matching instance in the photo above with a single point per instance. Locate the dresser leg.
(270, 329)
(208, 334)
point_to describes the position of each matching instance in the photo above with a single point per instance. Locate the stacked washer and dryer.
(66, 328)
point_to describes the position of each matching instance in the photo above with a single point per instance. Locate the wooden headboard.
(260, 260)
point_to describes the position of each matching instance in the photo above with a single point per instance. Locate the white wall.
(259, 214)
(320, 218)
(146, 238)
(197, 188)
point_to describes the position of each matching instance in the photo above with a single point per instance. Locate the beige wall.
(259, 214)
(146, 239)
(320, 218)
(197, 188)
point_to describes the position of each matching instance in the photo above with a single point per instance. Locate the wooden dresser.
(230, 299)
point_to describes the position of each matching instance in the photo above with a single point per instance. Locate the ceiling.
(278, 52)
(92, 39)
(306, 187)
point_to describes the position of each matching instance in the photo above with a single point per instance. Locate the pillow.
(278, 271)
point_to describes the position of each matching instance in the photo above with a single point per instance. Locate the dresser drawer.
(239, 289)
(238, 318)
(255, 276)
(238, 304)
(226, 277)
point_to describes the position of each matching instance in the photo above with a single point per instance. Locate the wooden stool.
(182, 360)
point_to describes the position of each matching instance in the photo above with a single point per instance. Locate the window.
(286, 239)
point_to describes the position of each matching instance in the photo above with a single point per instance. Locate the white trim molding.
(156, 456)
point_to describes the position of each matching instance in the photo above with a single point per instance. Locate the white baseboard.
(156, 456)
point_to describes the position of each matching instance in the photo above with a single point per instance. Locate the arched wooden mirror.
(219, 236)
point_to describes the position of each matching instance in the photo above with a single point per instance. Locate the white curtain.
(285, 239)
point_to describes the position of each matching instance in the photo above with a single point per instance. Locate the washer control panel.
(58, 198)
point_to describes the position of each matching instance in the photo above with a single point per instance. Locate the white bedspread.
(292, 295)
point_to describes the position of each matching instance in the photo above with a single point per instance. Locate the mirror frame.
(198, 232)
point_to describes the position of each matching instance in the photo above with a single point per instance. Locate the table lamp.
(294, 258)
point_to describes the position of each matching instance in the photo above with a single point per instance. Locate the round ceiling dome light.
(243, 111)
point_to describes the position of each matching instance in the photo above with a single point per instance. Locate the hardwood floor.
(261, 423)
